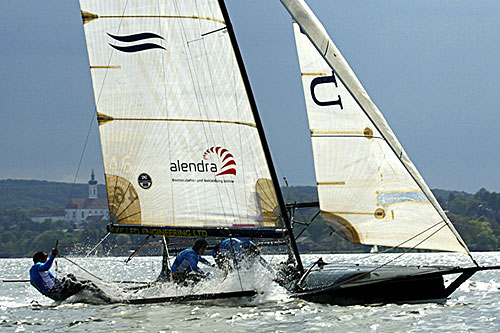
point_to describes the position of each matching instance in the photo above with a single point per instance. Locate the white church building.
(87, 209)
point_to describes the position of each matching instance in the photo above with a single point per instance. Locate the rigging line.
(81, 158)
(196, 84)
(83, 269)
(408, 250)
(233, 95)
(399, 256)
(144, 243)
(217, 108)
(166, 110)
(165, 244)
(302, 215)
(110, 246)
(235, 262)
(260, 129)
(399, 245)
(237, 77)
(289, 189)
(95, 247)
(307, 226)
(213, 31)
(409, 239)
(101, 91)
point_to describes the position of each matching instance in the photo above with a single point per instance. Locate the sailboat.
(185, 153)
(369, 190)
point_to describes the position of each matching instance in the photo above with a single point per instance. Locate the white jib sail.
(179, 140)
(368, 188)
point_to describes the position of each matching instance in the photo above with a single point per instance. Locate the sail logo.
(226, 158)
(145, 181)
(226, 165)
(138, 42)
(325, 80)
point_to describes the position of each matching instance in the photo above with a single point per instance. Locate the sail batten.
(104, 118)
(338, 102)
(180, 143)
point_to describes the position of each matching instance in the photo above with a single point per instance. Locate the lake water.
(474, 307)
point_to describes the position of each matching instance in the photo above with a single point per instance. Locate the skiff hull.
(364, 285)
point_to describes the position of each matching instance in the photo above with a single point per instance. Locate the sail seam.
(313, 74)
(105, 67)
(352, 213)
(193, 17)
(188, 120)
(344, 136)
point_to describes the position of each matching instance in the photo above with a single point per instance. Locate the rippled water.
(474, 307)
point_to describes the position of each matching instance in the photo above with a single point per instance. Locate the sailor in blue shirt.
(59, 289)
(40, 276)
(185, 267)
(233, 251)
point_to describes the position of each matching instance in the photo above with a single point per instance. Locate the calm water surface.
(474, 307)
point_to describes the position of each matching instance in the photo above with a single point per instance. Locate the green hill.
(476, 217)
(31, 194)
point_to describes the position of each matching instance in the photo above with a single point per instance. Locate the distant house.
(87, 209)
(56, 215)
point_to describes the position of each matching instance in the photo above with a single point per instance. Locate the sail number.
(325, 80)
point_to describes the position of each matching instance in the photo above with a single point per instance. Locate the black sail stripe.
(137, 48)
(135, 37)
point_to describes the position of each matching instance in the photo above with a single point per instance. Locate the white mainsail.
(179, 140)
(367, 186)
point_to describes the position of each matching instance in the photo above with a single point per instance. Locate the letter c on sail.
(323, 80)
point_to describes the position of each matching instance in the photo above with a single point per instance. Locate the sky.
(432, 67)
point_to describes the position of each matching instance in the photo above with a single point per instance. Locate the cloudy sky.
(432, 67)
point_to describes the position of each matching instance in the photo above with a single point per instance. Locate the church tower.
(92, 187)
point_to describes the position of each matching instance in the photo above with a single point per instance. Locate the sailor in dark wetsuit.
(185, 267)
(59, 289)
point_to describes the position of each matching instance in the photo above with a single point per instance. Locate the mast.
(262, 136)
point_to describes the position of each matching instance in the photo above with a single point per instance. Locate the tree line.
(475, 216)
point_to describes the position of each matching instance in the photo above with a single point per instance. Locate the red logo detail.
(226, 158)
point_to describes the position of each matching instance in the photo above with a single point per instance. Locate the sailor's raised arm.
(48, 264)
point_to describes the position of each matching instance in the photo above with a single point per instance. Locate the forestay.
(368, 188)
(179, 140)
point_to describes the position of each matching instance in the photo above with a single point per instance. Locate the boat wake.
(252, 278)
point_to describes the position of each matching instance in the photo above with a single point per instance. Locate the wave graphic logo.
(136, 38)
(228, 163)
